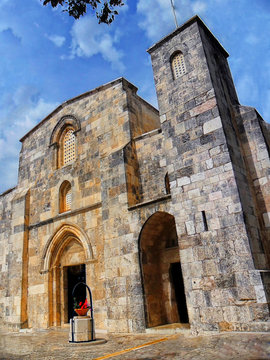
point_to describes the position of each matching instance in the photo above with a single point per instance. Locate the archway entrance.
(72, 276)
(164, 294)
(64, 258)
(67, 266)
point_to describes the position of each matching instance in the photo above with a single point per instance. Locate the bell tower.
(204, 68)
(212, 191)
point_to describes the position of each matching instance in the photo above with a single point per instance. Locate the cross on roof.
(174, 14)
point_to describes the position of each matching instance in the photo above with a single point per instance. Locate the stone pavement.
(53, 345)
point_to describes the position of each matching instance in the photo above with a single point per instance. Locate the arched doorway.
(64, 259)
(164, 295)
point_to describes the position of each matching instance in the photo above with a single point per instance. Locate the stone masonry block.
(260, 294)
(80, 336)
(212, 125)
(190, 227)
(263, 154)
(212, 315)
(162, 163)
(163, 118)
(228, 166)
(209, 163)
(215, 195)
(192, 194)
(234, 208)
(82, 329)
(197, 177)
(214, 224)
(185, 180)
(82, 323)
(214, 151)
(266, 218)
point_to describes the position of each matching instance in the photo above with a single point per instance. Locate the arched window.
(63, 141)
(65, 197)
(67, 147)
(178, 65)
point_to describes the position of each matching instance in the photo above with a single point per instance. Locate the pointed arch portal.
(164, 295)
(64, 260)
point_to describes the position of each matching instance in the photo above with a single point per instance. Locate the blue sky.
(46, 57)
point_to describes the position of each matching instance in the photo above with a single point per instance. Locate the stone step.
(169, 329)
(263, 326)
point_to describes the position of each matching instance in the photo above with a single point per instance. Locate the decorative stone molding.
(59, 240)
(67, 120)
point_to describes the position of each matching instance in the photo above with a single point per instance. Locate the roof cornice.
(194, 19)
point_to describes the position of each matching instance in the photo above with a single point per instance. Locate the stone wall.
(33, 259)
(13, 247)
(226, 99)
(132, 171)
(142, 116)
(253, 135)
(152, 168)
(5, 257)
(221, 284)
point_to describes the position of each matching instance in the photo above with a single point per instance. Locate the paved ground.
(53, 345)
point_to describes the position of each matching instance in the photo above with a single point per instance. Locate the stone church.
(164, 214)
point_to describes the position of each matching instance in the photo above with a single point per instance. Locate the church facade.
(164, 214)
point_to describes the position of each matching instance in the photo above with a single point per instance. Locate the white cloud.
(19, 113)
(252, 39)
(90, 38)
(5, 26)
(157, 16)
(56, 39)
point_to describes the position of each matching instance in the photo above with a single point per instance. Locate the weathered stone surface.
(153, 200)
(81, 329)
(52, 344)
(212, 125)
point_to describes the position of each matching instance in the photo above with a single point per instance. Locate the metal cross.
(174, 14)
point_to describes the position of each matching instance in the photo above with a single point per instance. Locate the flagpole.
(174, 14)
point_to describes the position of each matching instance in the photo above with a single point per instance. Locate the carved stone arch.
(67, 249)
(65, 121)
(67, 178)
(174, 53)
(174, 50)
(64, 134)
(58, 241)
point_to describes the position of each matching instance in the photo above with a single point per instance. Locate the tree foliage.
(105, 9)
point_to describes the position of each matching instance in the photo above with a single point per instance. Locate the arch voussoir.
(58, 240)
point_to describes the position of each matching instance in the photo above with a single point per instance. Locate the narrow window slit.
(167, 184)
(204, 221)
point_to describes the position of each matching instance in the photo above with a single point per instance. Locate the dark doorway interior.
(177, 281)
(75, 274)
